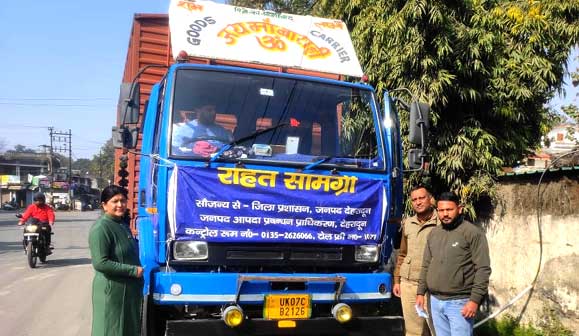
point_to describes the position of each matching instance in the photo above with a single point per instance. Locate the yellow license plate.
(287, 306)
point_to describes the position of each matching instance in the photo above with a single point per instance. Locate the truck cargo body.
(291, 223)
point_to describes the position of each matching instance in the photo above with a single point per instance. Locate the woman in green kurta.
(117, 291)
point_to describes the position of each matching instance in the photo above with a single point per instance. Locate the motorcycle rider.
(41, 212)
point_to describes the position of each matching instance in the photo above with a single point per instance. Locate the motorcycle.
(9, 206)
(35, 241)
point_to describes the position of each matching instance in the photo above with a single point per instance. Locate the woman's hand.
(139, 272)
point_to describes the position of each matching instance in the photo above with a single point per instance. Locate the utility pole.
(47, 151)
(100, 181)
(51, 163)
(70, 169)
(64, 140)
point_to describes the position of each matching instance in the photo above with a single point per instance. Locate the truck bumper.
(225, 288)
(368, 326)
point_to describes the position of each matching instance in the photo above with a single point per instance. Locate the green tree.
(83, 165)
(102, 164)
(487, 68)
(299, 7)
(575, 74)
(572, 111)
(22, 149)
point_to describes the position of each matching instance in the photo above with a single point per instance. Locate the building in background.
(16, 172)
(22, 174)
(562, 138)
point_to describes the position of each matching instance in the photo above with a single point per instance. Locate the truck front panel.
(290, 195)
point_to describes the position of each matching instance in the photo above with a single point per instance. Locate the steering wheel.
(206, 138)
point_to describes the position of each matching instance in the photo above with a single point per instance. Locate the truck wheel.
(148, 318)
(153, 318)
(31, 255)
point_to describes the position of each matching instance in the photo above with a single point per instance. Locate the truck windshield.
(271, 119)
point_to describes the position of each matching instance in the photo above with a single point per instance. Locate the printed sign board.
(218, 31)
(9, 179)
(245, 205)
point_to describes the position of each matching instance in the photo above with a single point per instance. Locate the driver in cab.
(201, 136)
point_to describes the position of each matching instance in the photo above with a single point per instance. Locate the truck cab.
(287, 140)
(268, 200)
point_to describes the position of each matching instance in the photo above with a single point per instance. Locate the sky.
(62, 62)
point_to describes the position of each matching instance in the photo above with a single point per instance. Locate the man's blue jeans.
(447, 319)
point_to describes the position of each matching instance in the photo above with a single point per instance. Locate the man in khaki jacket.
(415, 230)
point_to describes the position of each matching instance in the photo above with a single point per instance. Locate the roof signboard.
(218, 31)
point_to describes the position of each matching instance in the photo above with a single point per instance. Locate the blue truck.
(267, 196)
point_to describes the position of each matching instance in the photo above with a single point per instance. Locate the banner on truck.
(218, 31)
(246, 205)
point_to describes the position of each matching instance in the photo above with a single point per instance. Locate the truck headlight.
(190, 250)
(367, 253)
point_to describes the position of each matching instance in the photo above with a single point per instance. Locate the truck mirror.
(418, 120)
(124, 137)
(117, 137)
(414, 159)
(129, 103)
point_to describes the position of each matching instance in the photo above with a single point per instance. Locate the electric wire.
(57, 105)
(55, 99)
(540, 231)
(20, 125)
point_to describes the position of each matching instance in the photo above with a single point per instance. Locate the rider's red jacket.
(43, 213)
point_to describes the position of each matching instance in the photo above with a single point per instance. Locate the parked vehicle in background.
(58, 200)
(86, 202)
(9, 206)
(94, 202)
(287, 227)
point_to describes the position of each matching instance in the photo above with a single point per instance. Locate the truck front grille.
(317, 256)
(297, 254)
(277, 258)
(254, 255)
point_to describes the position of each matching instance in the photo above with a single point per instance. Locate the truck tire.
(144, 316)
(153, 318)
(148, 323)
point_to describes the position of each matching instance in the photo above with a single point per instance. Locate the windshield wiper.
(245, 138)
(319, 162)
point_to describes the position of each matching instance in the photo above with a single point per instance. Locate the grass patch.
(507, 326)
(550, 325)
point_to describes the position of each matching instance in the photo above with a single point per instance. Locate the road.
(55, 298)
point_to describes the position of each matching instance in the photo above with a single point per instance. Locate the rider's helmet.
(39, 197)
